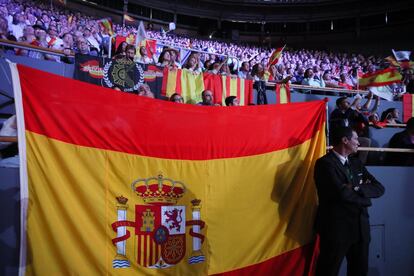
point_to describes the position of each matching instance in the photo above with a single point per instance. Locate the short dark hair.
(229, 100)
(410, 124)
(340, 132)
(340, 100)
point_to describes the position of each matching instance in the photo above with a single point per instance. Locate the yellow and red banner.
(380, 78)
(408, 106)
(116, 184)
(282, 93)
(190, 85)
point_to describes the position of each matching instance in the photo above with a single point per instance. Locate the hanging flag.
(282, 93)
(380, 78)
(276, 55)
(106, 23)
(184, 82)
(89, 68)
(408, 107)
(401, 55)
(162, 188)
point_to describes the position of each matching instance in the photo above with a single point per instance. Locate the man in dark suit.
(345, 189)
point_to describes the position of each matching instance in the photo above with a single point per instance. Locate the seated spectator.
(83, 47)
(329, 81)
(130, 52)
(174, 54)
(164, 59)
(232, 101)
(244, 71)
(310, 80)
(344, 82)
(258, 73)
(390, 116)
(405, 140)
(207, 98)
(120, 50)
(144, 58)
(192, 64)
(176, 98)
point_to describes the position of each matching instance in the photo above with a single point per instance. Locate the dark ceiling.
(277, 10)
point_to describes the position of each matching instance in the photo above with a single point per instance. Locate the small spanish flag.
(380, 78)
(106, 23)
(276, 55)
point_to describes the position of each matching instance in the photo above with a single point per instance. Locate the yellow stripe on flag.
(283, 95)
(192, 85)
(76, 205)
(242, 92)
(171, 82)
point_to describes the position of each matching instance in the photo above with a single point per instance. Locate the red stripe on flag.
(164, 81)
(228, 80)
(139, 250)
(145, 250)
(299, 261)
(178, 82)
(53, 103)
(238, 88)
(277, 91)
(248, 86)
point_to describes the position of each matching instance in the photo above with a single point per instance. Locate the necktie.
(348, 169)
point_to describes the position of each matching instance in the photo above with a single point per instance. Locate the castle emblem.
(159, 226)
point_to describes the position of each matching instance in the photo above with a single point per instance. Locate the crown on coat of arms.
(159, 190)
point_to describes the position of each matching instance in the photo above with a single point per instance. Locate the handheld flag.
(276, 55)
(380, 78)
(106, 23)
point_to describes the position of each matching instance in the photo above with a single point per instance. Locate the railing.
(24, 46)
(12, 139)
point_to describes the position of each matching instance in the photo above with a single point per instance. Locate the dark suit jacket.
(342, 213)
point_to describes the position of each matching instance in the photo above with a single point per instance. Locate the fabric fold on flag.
(127, 185)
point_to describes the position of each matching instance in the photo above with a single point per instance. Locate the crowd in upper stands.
(35, 23)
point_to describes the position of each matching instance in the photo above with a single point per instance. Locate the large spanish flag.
(117, 184)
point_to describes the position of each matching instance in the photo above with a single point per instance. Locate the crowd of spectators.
(37, 24)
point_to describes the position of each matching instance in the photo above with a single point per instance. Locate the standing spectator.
(405, 140)
(345, 189)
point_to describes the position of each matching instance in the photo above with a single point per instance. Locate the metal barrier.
(24, 46)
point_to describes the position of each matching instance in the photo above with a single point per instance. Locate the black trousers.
(332, 254)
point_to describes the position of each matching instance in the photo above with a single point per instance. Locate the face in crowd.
(207, 97)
